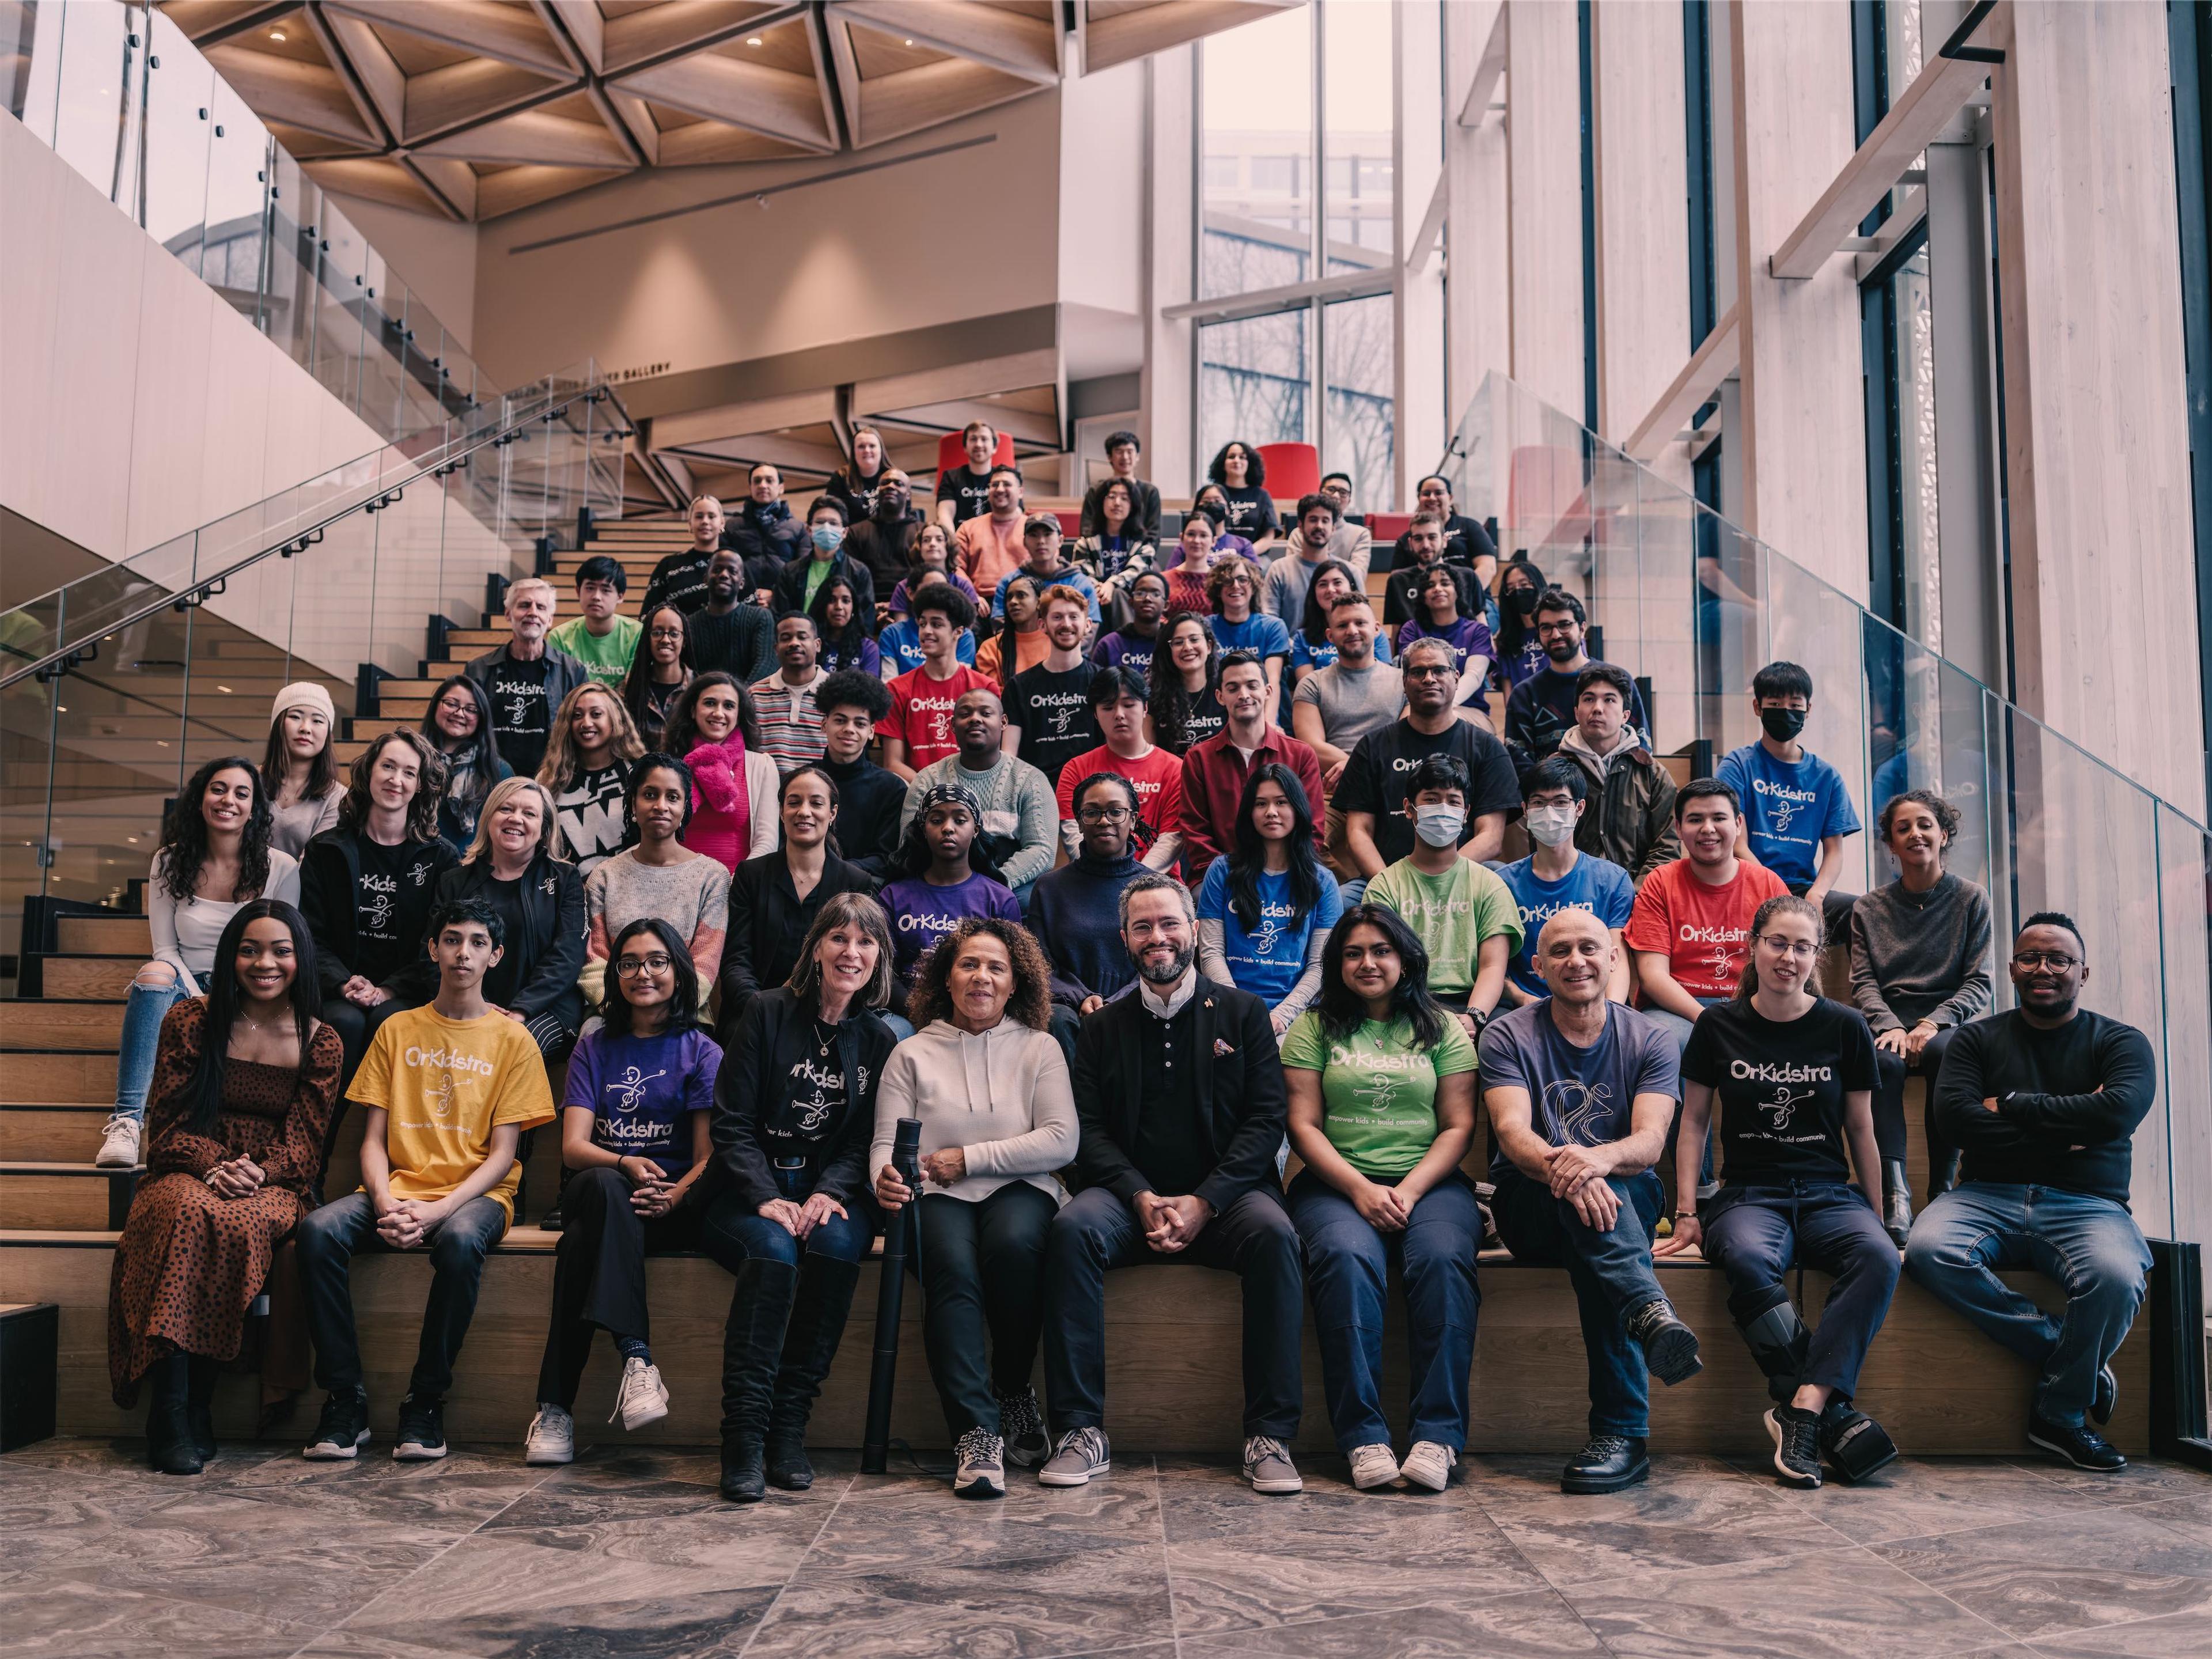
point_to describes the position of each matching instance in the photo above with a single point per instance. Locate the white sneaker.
(642, 1398)
(1430, 1465)
(982, 1471)
(1372, 1466)
(119, 1147)
(552, 1437)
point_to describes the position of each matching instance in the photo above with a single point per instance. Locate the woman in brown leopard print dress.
(223, 1189)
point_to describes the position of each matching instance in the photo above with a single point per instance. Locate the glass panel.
(30, 61)
(1253, 382)
(234, 256)
(1359, 431)
(2185, 868)
(100, 73)
(1916, 450)
(180, 120)
(1812, 625)
(341, 260)
(1358, 108)
(1256, 169)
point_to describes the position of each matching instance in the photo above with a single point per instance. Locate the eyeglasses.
(631, 967)
(1104, 815)
(1442, 670)
(1545, 628)
(667, 634)
(1790, 947)
(2057, 961)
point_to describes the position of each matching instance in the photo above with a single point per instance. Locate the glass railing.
(114, 687)
(120, 93)
(1688, 601)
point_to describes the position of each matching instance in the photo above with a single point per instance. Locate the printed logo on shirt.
(379, 897)
(1575, 1108)
(1274, 923)
(1783, 803)
(936, 715)
(520, 696)
(448, 1060)
(914, 921)
(628, 1089)
(419, 875)
(1534, 916)
(1785, 1105)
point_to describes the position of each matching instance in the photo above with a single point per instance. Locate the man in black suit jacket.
(1180, 1095)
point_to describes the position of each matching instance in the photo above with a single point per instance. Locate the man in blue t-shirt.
(1796, 810)
(1556, 877)
(1581, 1093)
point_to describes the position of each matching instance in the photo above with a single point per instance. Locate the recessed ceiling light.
(275, 34)
(909, 43)
(752, 39)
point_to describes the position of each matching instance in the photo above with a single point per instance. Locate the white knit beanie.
(304, 694)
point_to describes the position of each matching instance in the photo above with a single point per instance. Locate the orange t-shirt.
(989, 551)
(1705, 931)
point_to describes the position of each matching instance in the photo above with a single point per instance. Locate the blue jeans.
(1611, 1272)
(901, 1027)
(144, 1011)
(731, 1232)
(1757, 1233)
(2089, 1246)
(1347, 1275)
(331, 1236)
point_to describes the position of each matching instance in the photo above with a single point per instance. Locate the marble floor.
(630, 1553)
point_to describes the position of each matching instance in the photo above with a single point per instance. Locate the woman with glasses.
(458, 725)
(1800, 1187)
(634, 1136)
(1920, 970)
(1232, 589)
(658, 673)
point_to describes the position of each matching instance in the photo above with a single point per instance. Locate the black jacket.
(563, 674)
(1239, 1087)
(548, 952)
(883, 549)
(766, 545)
(748, 1101)
(769, 922)
(791, 587)
(869, 801)
(1145, 498)
(330, 876)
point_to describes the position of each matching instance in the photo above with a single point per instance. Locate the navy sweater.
(2068, 1102)
(1075, 911)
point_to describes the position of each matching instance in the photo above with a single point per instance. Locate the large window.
(1253, 382)
(1256, 202)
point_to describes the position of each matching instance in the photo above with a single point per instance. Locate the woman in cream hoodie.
(986, 1078)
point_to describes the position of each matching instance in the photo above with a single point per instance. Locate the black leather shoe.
(170, 1448)
(744, 1480)
(2107, 1396)
(1670, 1347)
(199, 1406)
(1609, 1463)
(2078, 1444)
(1896, 1201)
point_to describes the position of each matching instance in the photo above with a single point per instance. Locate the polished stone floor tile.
(1844, 1604)
(1036, 1608)
(2065, 1572)
(923, 1525)
(125, 1460)
(47, 1515)
(60, 1615)
(1532, 1625)
(2144, 1480)
(664, 1626)
(1917, 1497)
(2176, 1636)
(459, 1493)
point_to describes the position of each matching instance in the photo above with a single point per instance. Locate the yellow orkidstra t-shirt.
(446, 1084)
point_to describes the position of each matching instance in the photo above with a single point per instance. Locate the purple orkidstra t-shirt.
(922, 915)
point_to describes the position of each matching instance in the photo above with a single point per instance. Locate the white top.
(186, 931)
(1004, 1098)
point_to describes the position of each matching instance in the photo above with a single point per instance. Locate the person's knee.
(601, 1186)
(460, 1249)
(321, 1234)
(155, 977)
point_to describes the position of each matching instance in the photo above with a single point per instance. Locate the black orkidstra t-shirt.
(1781, 1087)
(519, 719)
(1052, 712)
(813, 1106)
(1206, 717)
(391, 904)
(1382, 763)
(969, 492)
(1251, 512)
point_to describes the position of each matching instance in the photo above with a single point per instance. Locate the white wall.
(436, 257)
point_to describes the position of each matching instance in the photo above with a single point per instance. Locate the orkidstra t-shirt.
(1788, 808)
(968, 490)
(1383, 763)
(1452, 914)
(447, 1085)
(1378, 1088)
(1781, 1087)
(642, 1092)
(519, 719)
(921, 712)
(1595, 884)
(1053, 713)
(1705, 930)
(605, 655)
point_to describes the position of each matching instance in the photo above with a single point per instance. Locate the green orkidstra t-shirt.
(1452, 914)
(1378, 1089)
(607, 657)
(818, 572)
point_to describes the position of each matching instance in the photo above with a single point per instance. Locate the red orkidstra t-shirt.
(1705, 931)
(1158, 778)
(921, 711)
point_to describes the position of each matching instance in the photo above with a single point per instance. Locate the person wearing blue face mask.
(1796, 810)
(825, 557)
(1556, 876)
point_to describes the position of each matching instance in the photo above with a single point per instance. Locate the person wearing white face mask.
(802, 578)
(1463, 915)
(1556, 877)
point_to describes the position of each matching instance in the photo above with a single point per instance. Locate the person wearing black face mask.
(1520, 653)
(1796, 811)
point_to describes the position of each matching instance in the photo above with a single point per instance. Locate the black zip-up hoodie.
(329, 876)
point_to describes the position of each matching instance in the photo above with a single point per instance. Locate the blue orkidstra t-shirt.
(1577, 1096)
(1789, 809)
(1268, 959)
(643, 1091)
(1305, 653)
(899, 643)
(1258, 632)
(1595, 884)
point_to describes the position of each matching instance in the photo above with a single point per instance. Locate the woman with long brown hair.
(586, 771)
(299, 771)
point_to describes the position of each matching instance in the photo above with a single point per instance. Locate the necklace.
(826, 1043)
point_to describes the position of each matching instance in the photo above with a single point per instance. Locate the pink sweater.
(733, 814)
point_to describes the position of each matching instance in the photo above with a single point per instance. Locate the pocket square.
(1221, 1048)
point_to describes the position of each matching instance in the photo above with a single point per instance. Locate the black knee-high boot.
(199, 1404)
(752, 1343)
(169, 1445)
(817, 1323)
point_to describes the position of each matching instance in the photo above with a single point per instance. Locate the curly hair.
(429, 785)
(564, 758)
(1227, 572)
(1031, 1002)
(1171, 705)
(1255, 469)
(184, 848)
(1947, 816)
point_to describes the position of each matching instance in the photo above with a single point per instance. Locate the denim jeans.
(901, 1027)
(732, 1230)
(1347, 1276)
(331, 1236)
(2089, 1246)
(1611, 1272)
(144, 1011)
(1890, 1073)
(1679, 1028)
(981, 1267)
(1757, 1234)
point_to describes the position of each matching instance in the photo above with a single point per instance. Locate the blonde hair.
(501, 793)
(558, 769)
(516, 590)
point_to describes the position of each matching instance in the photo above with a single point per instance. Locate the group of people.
(1122, 943)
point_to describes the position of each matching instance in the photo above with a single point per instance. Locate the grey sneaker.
(119, 1143)
(1372, 1467)
(641, 1398)
(552, 1437)
(1021, 1424)
(982, 1471)
(1268, 1466)
(1081, 1453)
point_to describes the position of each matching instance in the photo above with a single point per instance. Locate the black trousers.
(1891, 1071)
(598, 1274)
(1253, 1238)
(981, 1267)
(1757, 1234)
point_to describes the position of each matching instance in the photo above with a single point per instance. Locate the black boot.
(199, 1406)
(1942, 1170)
(169, 1445)
(752, 1342)
(1896, 1201)
(1775, 1335)
(817, 1324)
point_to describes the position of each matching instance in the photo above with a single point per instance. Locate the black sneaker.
(2107, 1395)
(1021, 1424)
(1609, 1463)
(342, 1429)
(1796, 1445)
(2078, 1444)
(422, 1437)
(550, 1221)
(1670, 1347)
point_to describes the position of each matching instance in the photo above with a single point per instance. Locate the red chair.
(1293, 470)
(951, 452)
